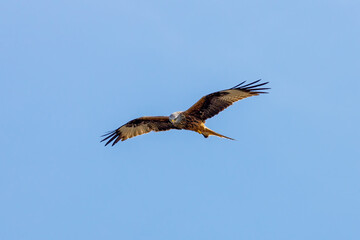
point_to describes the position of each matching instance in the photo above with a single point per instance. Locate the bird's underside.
(192, 119)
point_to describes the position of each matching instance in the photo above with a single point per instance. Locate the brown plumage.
(137, 127)
(192, 119)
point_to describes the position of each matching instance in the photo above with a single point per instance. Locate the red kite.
(192, 119)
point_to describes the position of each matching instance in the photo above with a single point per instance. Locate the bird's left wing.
(137, 127)
(210, 105)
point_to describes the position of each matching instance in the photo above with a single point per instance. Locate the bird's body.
(192, 123)
(185, 122)
(192, 119)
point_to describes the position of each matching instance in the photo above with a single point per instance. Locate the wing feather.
(210, 105)
(137, 127)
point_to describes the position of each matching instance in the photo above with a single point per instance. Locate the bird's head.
(175, 117)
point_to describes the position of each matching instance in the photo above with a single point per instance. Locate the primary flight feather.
(192, 119)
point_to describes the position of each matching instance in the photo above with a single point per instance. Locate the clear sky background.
(72, 70)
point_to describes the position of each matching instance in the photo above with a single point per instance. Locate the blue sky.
(73, 70)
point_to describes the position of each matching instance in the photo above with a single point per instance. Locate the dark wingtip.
(238, 85)
(252, 83)
(106, 134)
(112, 135)
(252, 87)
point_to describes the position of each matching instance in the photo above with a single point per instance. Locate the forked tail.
(209, 132)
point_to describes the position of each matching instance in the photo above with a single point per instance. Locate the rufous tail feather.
(209, 132)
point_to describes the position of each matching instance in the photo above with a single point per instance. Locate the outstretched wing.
(137, 127)
(210, 105)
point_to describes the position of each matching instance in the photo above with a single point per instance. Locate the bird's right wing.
(210, 105)
(137, 127)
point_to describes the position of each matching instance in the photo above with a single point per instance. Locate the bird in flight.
(192, 119)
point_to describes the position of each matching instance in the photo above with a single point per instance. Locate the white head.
(175, 117)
